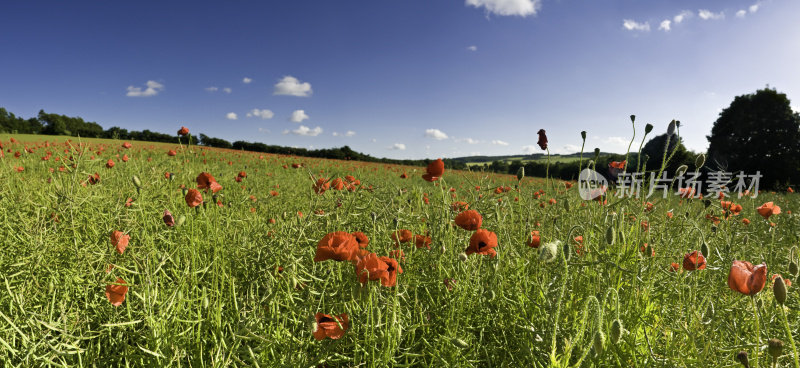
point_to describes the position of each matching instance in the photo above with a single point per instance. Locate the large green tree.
(758, 132)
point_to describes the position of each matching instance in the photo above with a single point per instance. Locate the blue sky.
(399, 78)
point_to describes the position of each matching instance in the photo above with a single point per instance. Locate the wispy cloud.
(435, 134)
(682, 16)
(706, 14)
(246, 80)
(211, 89)
(467, 140)
(398, 146)
(264, 114)
(298, 116)
(498, 142)
(231, 116)
(529, 149)
(665, 25)
(227, 90)
(472, 48)
(152, 89)
(305, 131)
(291, 86)
(349, 133)
(520, 8)
(633, 25)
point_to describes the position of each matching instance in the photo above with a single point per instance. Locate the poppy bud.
(779, 290)
(745, 238)
(621, 237)
(610, 235)
(599, 342)
(704, 249)
(136, 181)
(633, 118)
(521, 172)
(681, 170)
(616, 331)
(671, 127)
(648, 128)
(374, 216)
(180, 221)
(792, 268)
(775, 348)
(549, 251)
(700, 161)
(462, 257)
(459, 343)
(583, 135)
(741, 357)
(566, 204)
(596, 153)
(566, 251)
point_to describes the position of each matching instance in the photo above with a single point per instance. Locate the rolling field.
(256, 265)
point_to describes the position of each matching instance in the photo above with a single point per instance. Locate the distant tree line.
(54, 124)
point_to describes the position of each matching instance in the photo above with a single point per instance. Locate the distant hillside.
(479, 160)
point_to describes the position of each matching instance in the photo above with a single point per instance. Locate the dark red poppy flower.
(116, 293)
(171, 153)
(93, 179)
(329, 326)
(746, 278)
(183, 131)
(169, 220)
(694, 261)
(482, 242)
(321, 185)
(109, 163)
(535, 240)
(120, 240)
(542, 139)
(361, 239)
(242, 174)
(434, 170)
(193, 198)
(469, 220)
(422, 241)
(126, 145)
(338, 246)
(206, 181)
(402, 236)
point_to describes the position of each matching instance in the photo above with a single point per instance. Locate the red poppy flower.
(535, 240)
(125, 158)
(403, 175)
(128, 202)
(193, 198)
(790, 190)
(206, 181)
(321, 185)
(338, 246)
(331, 326)
(469, 220)
(337, 184)
(542, 139)
(694, 261)
(768, 209)
(482, 242)
(617, 164)
(398, 254)
(126, 145)
(169, 220)
(183, 131)
(746, 278)
(109, 163)
(171, 153)
(674, 267)
(746, 221)
(393, 268)
(116, 293)
(93, 179)
(686, 192)
(434, 170)
(459, 206)
(422, 241)
(242, 174)
(361, 239)
(402, 236)
(120, 240)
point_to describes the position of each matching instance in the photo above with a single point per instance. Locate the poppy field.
(117, 253)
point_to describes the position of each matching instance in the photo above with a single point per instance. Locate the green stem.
(789, 335)
(758, 332)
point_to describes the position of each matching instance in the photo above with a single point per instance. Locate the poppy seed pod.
(700, 161)
(596, 154)
(793, 268)
(610, 235)
(648, 128)
(616, 331)
(599, 342)
(462, 257)
(779, 290)
(633, 118)
(583, 135)
(775, 348)
(681, 170)
(136, 181)
(671, 127)
(741, 357)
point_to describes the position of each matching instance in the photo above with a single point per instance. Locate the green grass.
(210, 293)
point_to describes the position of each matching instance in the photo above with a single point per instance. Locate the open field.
(234, 281)
(553, 159)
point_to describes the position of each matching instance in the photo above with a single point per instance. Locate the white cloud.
(665, 25)
(264, 114)
(435, 134)
(211, 89)
(571, 148)
(508, 7)
(741, 13)
(754, 8)
(305, 131)
(246, 80)
(472, 48)
(227, 90)
(633, 25)
(705, 14)
(397, 146)
(617, 141)
(529, 149)
(291, 86)
(683, 16)
(499, 142)
(349, 133)
(231, 116)
(263, 130)
(467, 140)
(152, 89)
(298, 116)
